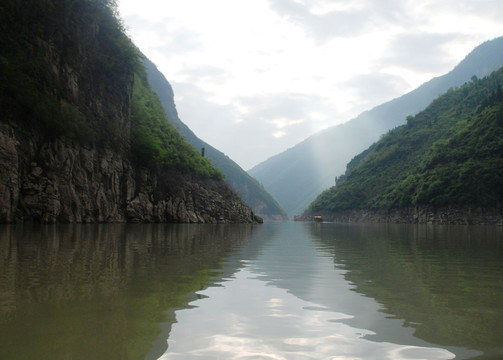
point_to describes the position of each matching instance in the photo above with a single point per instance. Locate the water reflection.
(100, 291)
(276, 291)
(290, 302)
(268, 322)
(445, 283)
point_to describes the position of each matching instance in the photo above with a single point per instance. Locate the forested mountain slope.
(247, 187)
(83, 137)
(449, 155)
(296, 176)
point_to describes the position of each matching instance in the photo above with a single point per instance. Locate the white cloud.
(205, 74)
(342, 21)
(269, 121)
(421, 52)
(378, 87)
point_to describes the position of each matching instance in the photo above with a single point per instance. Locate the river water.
(271, 291)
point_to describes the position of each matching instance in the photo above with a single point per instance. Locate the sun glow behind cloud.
(347, 57)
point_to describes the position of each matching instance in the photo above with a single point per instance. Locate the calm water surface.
(273, 291)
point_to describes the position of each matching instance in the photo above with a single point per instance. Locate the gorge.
(83, 138)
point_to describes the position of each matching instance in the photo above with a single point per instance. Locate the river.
(270, 291)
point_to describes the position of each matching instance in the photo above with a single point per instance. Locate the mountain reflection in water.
(274, 291)
(101, 291)
(445, 282)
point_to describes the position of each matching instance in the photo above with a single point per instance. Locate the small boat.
(318, 218)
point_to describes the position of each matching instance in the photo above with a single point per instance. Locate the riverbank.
(414, 215)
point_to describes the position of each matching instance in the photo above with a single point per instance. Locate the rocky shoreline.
(60, 181)
(448, 215)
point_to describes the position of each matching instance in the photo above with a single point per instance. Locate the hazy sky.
(255, 77)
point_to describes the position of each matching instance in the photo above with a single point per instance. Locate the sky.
(255, 77)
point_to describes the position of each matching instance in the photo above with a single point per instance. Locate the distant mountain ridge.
(296, 176)
(262, 203)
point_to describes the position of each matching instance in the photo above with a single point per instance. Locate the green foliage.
(42, 41)
(66, 68)
(156, 141)
(449, 154)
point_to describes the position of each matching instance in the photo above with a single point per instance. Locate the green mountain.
(83, 137)
(296, 176)
(247, 187)
(449, 155)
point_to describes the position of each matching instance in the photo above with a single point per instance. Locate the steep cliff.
(70, 149)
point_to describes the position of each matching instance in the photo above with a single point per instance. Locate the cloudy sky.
(255, 77)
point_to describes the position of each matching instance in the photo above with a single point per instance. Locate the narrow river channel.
(271, 291)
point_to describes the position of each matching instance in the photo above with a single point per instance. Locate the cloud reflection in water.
(248, 319)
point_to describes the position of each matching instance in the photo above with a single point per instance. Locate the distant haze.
(298, 175)
(255, 77)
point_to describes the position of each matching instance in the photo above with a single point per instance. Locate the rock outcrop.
(63, 181)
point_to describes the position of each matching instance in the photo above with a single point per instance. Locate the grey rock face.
(61, 181)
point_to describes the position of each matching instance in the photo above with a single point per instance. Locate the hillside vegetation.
(155, 141)
(31, 38)
(33, 81)
(298, 175)
(449, 154)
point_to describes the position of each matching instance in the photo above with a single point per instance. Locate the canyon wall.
(63, 181)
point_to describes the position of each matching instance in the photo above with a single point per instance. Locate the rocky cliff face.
(62, 181)
(66, 84)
